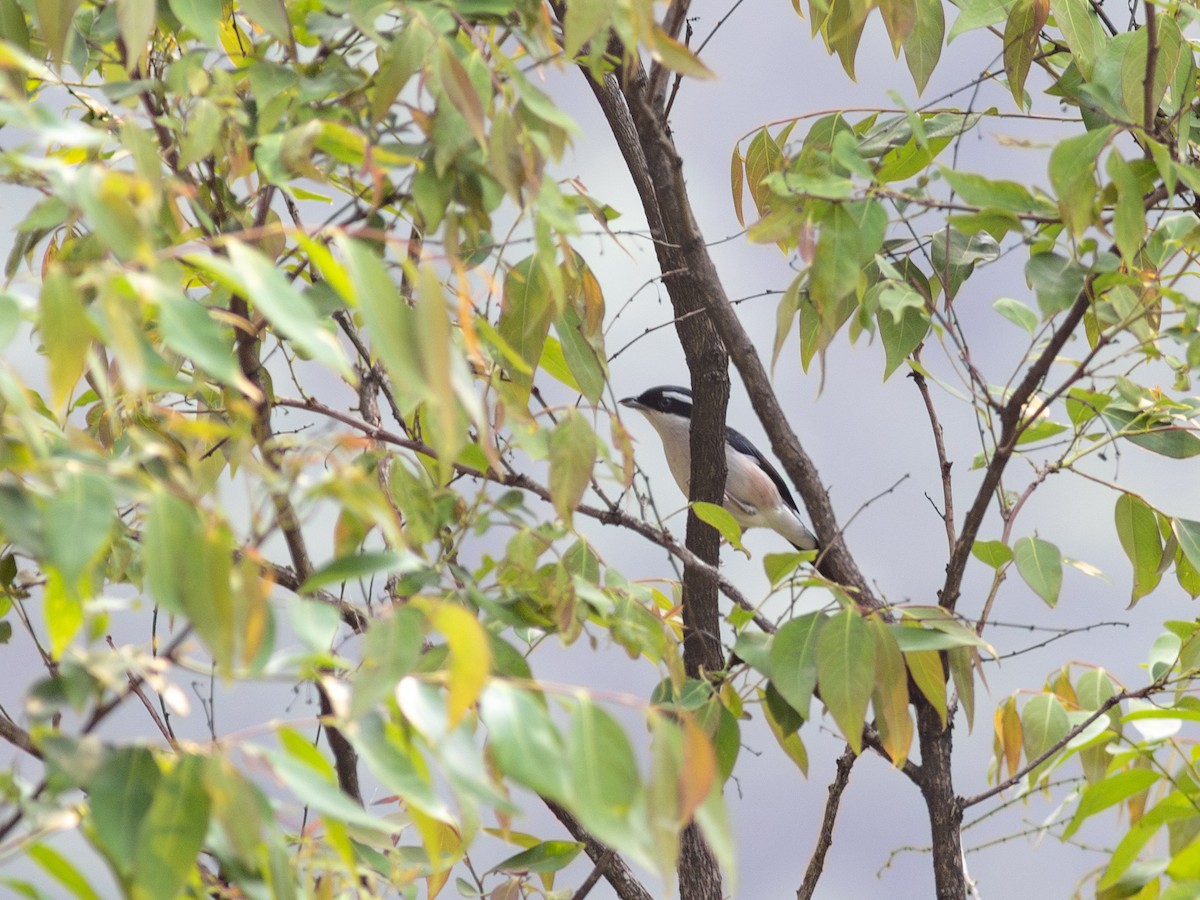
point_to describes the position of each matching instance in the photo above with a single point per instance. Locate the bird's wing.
(741, 444)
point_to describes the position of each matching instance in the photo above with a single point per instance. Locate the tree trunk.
(945, 813)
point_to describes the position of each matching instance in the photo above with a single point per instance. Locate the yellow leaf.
(470, 659)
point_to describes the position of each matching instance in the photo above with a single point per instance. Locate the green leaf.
(851, 234)
(545, 856)
(120, 794)
(603, 780)
(61, 870)
(312, 785)
(794, 660)
(172, 832)
(723, 521)
(135, 19)
(1084, 32)
(1017, 313)
(1187, 533)
(1161, 436)
(1112, 790)
(779, 566)
(923, 47)
(78, 523)
(901, 339)
(1044, 723)
(65, 334)
(250, 273)
(975, 14)
(992, 553)
(360, 565)
(1137, 529)
(1021, 31)
(1073, 175)
(190, 331)
(54, 20)
(572, 455)
(1129, 217)
(1056, 279)
(523, 740)
(525, 313)
(202, 18)
(1040, 564)
(270, 15)
(845, 655)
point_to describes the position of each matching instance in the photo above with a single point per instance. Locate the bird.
(755, 493)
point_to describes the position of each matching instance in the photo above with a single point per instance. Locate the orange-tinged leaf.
(1008, 732)
(460, 92)
(899, 17)
(699, 769)
(737, 183)
(1021, 33)
(674, 55)
(890, 696)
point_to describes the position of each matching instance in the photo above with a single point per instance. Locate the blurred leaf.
(172, 832)
(546, 856)
(78, 523)
(201, 17)
(251, 274)
(470, 661)
(523, 740)
(1017, 313)
(61, 870)
(1040, 564)
(120, 793)
(65, 334)
(54, 19)
(845, 655)
(603, 781)
(572, 456)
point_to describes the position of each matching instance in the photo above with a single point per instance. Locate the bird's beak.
(631, 402)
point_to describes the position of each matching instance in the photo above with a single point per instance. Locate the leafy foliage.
(247, 215)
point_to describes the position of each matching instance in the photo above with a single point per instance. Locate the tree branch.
(616, 873)
(816, 863)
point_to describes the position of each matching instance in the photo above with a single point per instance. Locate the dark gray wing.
(741, 444)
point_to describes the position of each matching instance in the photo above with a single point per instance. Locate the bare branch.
(816, 863)
(944, 463)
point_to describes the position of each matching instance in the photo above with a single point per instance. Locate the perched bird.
(755, 494)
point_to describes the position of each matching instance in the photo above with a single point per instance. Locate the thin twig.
(944, 463)
(816, 863)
